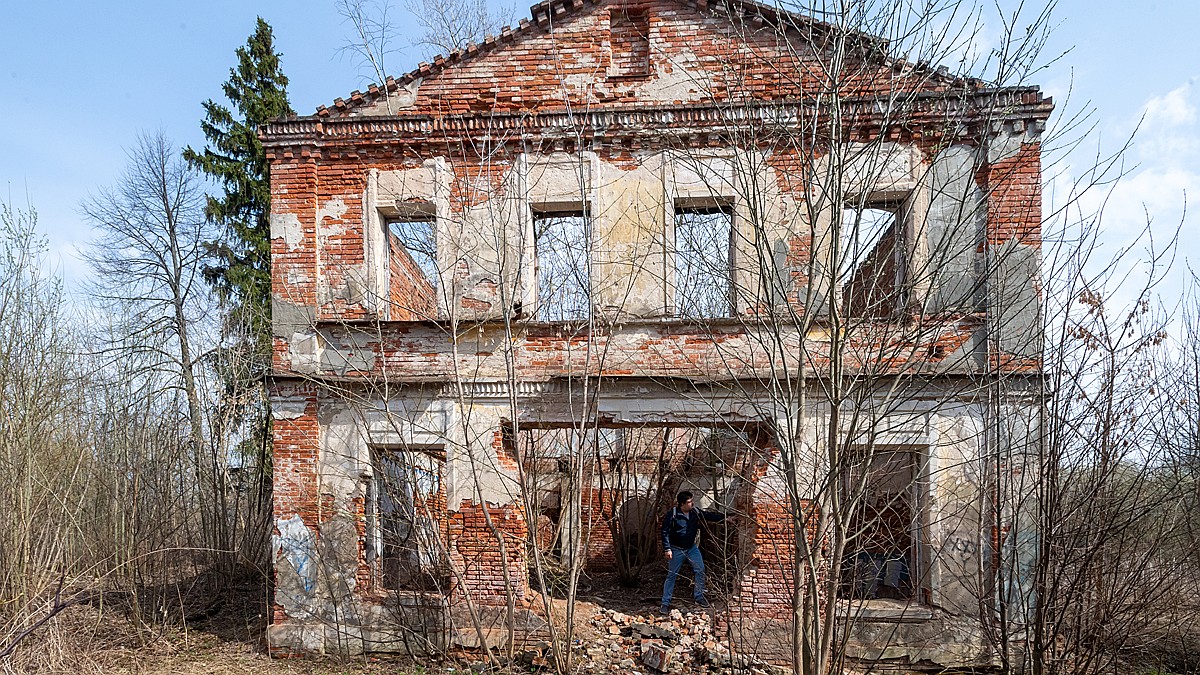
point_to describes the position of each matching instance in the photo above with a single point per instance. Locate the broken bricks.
(656, 655)
(681, 643)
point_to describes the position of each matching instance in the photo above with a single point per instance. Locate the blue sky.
(79, 80)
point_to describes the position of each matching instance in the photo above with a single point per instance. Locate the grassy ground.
(84, 640)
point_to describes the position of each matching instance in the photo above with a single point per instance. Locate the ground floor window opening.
(600, 495)
(882, 553)
(405, 519)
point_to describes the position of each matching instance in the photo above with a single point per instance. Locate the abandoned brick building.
(523, 294)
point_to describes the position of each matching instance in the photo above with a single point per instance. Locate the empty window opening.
(703, 268)
(882, 541)
(870, 266)
(414, 271)
(404, 508)
(629, 37)
(415, 238)
(603, 492)
(561, 250)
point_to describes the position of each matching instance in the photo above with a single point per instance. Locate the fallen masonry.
(651, 643)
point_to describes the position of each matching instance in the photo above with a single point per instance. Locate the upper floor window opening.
(560, 240)
(871, 262)
(703, 262)
(629, 38)
(412, 264)
(415, 236)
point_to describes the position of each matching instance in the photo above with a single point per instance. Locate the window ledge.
(883, 611)
(637, 76)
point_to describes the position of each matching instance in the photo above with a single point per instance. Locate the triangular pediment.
(592, 53)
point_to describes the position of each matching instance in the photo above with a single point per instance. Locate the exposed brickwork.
(293, 253)
(482, 553)
(651, 350)
(596, 514)
(296, 451)
(411, 294)
(738, 56)
(1015, 197)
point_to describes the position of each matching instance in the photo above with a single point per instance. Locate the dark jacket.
(679, 529)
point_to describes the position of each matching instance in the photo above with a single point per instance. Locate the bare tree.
(148, 260)
(372, 41)
(451, 25)
(446, 26)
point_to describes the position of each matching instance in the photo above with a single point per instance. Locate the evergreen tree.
(240, 265)
(241, 261)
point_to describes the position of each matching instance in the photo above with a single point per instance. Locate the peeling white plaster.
(288, 408)
(406, 96)
(286, 226)
(677, 81)
(304, 353)
(296, 544)
(334, 208)
(1011, 136)
(298, 275)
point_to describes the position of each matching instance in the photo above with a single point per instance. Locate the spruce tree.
(240, 270)
(240, 263)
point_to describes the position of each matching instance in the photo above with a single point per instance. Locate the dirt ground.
(228, 637)
(85, 640)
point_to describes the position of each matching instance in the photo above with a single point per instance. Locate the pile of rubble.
(679, 643)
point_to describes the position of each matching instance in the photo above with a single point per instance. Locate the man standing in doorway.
(679, 530)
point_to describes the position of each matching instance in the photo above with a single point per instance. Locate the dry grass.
(85, 640)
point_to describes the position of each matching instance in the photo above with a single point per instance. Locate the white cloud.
(1171, 109)
(1158, 197)
(1169, 134)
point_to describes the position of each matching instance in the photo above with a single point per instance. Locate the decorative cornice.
(935, 112)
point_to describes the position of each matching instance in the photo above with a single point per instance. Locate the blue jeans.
(675, 564)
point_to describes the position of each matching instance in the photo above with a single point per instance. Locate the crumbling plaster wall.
(319, 554)
(319, 545)
(324, 597)
(484, 222)
(487, 249)
(971, 211)
(955, 467)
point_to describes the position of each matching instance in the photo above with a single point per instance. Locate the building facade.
(525, 293)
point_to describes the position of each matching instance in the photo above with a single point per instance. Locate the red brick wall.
(710, 55)
(1015, 197)
(336, 185)
(540, 70)
(293, 268)
(655, 350)
(296, 443)
(768, 540)
(412, 296)
(296, 450)
(340, 235)
(595, 514)
(303, 277)
(1014, 186)
(476, 552)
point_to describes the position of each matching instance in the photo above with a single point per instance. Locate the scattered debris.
(679, 643)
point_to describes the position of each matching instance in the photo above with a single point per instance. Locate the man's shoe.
(703, 602)
(665, 610)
